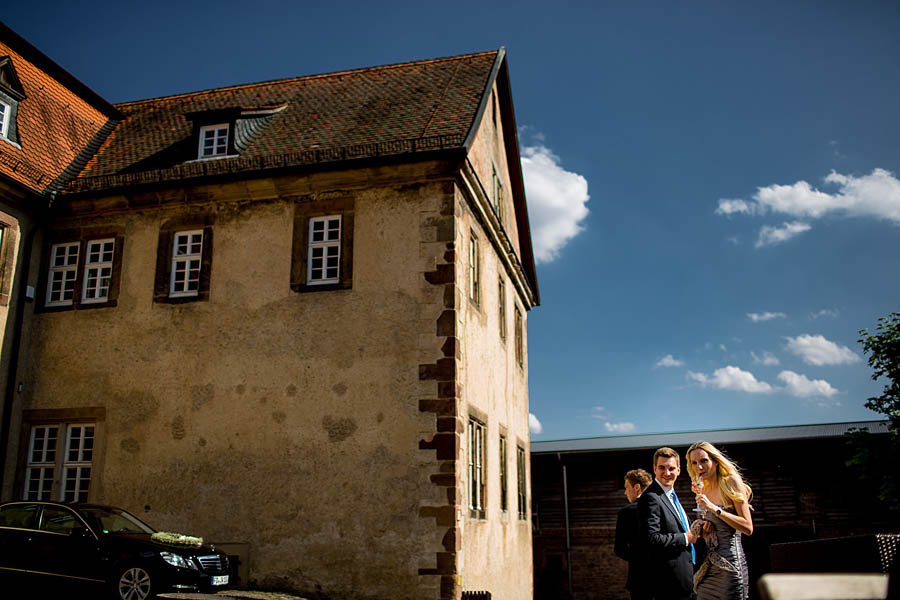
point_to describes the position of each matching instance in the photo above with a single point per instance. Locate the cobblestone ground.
(234, 595)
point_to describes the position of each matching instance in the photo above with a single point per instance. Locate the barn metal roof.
(715, 436)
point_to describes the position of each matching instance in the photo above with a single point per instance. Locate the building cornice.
(480, 204)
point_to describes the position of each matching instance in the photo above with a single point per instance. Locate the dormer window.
(5, 111)
(11, 93)
(214, 140)
(227, 132)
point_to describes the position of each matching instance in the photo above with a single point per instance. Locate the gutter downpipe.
(15, 350)
(568, 537)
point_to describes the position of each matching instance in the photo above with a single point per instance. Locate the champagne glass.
(697, 487)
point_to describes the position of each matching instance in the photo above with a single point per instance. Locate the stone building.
(291, 316)
(802, 490)
(50, 125)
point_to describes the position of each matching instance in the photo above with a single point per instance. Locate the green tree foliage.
(883, 348)
(874, 457)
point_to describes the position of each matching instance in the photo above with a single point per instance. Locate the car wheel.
(134, 583)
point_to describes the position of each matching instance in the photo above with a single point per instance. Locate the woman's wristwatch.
(719, 511)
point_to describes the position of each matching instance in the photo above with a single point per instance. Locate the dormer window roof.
(9, 81)
(223, 133)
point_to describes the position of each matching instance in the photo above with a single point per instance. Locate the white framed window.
(474, 269)
(324, 257)
(213, 141)
(476, 436)
(522, 485)
(81, 272)
(187, 254)
(520, 337)
(504, 478)
(5, 112)
(501, 308)
(51, 474)
(498, 195)
(77, 463)
(39, 474)
(62, 274)
(98, 268)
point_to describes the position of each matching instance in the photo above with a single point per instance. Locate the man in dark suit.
(664, 531)
(627, 546)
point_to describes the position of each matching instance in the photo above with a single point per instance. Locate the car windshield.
(114, 520)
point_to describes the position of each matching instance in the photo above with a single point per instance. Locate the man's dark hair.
(638, 476)
(666, 452)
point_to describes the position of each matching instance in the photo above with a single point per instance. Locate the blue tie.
(681, 515)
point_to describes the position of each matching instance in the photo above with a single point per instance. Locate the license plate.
(219, 580)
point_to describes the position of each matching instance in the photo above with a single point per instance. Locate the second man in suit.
(628, 546)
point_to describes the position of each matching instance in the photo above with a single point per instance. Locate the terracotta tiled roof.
(60, 122)
(388, 110)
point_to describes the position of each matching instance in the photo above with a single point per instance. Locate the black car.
(102, 545)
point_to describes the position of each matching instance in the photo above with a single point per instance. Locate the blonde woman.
(726, 499)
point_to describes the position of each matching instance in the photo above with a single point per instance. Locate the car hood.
(143, 541)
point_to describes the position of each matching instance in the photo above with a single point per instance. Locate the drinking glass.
(697, 487)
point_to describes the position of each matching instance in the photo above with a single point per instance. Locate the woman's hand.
(705, 503)
(699, 527)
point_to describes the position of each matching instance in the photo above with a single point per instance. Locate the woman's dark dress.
(723, 575)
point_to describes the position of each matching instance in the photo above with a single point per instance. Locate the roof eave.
(500, 75)
(344, 164)
(742, 435)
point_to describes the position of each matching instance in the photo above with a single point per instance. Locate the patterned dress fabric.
(723, 575)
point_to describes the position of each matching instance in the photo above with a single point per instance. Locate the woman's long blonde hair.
(727, 472)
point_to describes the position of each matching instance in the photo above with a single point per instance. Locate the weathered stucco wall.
(14, 223)
(289, 421)
(496, 554)
(488, 155)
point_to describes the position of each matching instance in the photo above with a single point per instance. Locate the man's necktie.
(683, 517)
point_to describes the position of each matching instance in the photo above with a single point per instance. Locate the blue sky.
(713, 185)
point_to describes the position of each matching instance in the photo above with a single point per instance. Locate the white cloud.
(770, 236)
(766, 316)
(767, 359)
(876, 195)
(623, 427)
(825, 312)
(818, 351)
(802, 387)
(599, 412)
(732, 379)
(557, 201)
(669, 361)
(729, 207)
(798, 200)
(534, 426)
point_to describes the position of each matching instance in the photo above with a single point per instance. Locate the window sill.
(10, 142)
(303, 288)
(208, 158)
(181, 299)
(43, 308)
